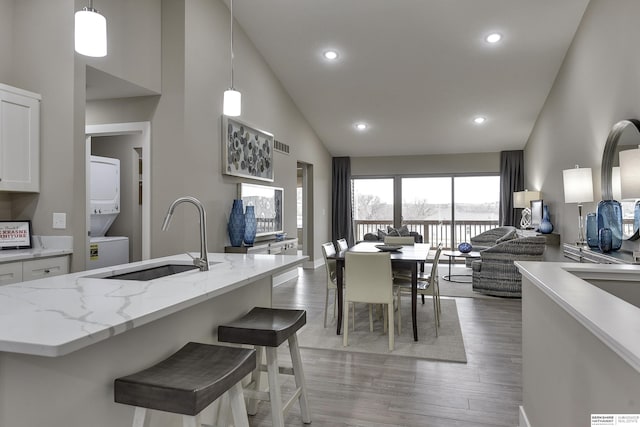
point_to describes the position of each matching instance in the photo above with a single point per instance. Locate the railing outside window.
(433, 232)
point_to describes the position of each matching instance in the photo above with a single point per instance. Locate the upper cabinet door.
(19, 140)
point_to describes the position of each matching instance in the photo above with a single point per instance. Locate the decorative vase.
(250, 226)
(545, 226)
(465, 247)
(592, 230)
(610, 216)
(605, 240)
(236, 223)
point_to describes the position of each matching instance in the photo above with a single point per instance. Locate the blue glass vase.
(592, 230)
(545, 226)
(250, 226)
(605, 240)
(610, 216)
(235, 227)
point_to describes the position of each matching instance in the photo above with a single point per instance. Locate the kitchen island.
(64, 339)
(580, 342)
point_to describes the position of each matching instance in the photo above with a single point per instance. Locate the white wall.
(426, 165)
(598, 85)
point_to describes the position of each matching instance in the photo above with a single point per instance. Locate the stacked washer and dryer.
(105, 251)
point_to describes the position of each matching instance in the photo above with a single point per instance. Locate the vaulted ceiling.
(415, 71)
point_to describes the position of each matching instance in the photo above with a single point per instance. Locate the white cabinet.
(22, 271)
(45, 267)
(10, 272)
(19, 140)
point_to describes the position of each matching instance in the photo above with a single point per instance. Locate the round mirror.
(624, 135)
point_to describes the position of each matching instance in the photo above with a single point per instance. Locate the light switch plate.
(59, 220)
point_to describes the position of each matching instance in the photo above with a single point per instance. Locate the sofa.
(390, 231)
(495, 273)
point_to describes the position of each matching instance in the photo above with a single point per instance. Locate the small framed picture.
(536, 214)
(15, 234)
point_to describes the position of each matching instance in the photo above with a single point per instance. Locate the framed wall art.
(15, 234)
(246, 152)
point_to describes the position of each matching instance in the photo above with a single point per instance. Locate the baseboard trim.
(524, 421)
(313, 264)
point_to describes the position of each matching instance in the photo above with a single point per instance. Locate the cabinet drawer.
(10, 272)
(46, 267)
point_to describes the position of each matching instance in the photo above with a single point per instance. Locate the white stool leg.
(298, 373)
(139, 416)
(238, 408)
(221, 417)
(252, 406)
(274, 387)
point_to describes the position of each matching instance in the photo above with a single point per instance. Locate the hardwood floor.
(352, 389)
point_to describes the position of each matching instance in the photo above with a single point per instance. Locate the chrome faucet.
(203, 262)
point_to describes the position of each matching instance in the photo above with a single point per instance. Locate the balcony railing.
(433, 232)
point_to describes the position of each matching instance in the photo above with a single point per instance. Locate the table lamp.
(522, 200)
(578, 188)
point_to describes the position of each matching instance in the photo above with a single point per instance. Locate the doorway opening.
(304, 192)
(129, 143)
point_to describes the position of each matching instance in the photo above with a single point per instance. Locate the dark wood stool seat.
(187, 381)
(267, 327)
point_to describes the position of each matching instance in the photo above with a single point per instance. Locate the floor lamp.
(578, 188)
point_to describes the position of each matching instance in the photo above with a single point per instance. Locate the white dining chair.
(427, 285)
(342, 244)
(370, 281)
(330, 265)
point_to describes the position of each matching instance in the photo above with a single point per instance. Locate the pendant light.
(232, 104)
(90, 32)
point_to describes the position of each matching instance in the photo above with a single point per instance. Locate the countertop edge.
(575, 295)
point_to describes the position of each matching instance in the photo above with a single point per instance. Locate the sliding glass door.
(447, 209)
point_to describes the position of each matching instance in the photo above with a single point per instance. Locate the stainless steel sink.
(151, 273)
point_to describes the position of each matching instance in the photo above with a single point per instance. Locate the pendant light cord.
(231, 4)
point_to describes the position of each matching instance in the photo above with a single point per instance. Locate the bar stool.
(187, 382)
(267, 328)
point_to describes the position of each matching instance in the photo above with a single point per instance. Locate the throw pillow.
(392, 232)
(381, 234)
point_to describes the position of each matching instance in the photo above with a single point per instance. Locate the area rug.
(448, 346)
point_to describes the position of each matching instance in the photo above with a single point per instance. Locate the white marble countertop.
(43, 246)
(614, 321)
(58, 315)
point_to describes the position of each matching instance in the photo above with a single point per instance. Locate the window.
(372, 205)
(447, 209)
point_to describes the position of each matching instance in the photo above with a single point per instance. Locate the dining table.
(407, 257)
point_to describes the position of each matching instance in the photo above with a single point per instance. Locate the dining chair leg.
(390, 327)
(399, 313)
(345, 323)
(370, 317)
(326, 304)
(436, 317)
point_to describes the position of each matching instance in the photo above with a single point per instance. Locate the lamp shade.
(522, 199)
(232, 103)
(578, 185)
(630, 174)
(90, 33)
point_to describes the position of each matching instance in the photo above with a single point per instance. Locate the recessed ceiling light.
(361, 126)
(493, 38)
(330, 55)
(479, 120)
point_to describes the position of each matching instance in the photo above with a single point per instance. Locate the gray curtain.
(511, 180)
(341, 215)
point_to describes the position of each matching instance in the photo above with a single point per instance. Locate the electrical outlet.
(59, 220)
